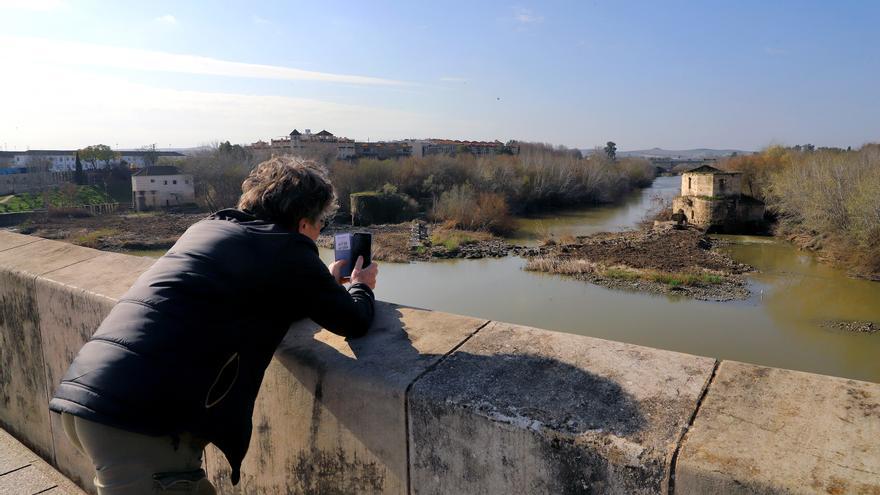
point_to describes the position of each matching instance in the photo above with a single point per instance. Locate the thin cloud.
(50, 113)
(167, 19)
(93, 55)
(453, 79)
(260, 20)
(526, 16)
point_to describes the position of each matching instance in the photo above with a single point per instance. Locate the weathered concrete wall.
(766, 430)
(436, 403)
(521, 410)
(331, 415)
(53, 295)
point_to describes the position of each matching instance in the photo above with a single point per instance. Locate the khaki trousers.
(131, 463)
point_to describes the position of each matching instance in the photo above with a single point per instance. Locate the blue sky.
(667, 74)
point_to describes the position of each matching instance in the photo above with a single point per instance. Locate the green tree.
(98, 152)
(611, 150)
(79, 176)
(235, 150)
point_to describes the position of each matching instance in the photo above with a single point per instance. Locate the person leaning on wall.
(178, 361)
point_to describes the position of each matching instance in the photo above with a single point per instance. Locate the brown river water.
(780, 325)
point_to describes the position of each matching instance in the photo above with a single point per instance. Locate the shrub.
(452, 239)
(218, 173)
(387, 206)
(540, 177)
(833, 194)
(464, 207)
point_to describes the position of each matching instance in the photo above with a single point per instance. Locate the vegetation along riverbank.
(824, 200)
(663, 260)
(478, 193)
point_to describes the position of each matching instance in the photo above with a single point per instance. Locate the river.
(779, 326)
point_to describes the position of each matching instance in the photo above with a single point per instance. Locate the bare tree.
(218, 174)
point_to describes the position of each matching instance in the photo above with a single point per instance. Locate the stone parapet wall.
(435, 403)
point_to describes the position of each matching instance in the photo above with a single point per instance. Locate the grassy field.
(58, 197)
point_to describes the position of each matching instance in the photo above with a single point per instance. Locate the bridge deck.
(23, 472)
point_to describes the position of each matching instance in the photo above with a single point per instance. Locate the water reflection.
(803, 294)
(606, 218)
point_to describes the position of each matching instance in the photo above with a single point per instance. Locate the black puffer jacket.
(186, 347)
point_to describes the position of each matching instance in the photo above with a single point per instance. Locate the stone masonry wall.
(727, 185)
(711, 185)
(701, 212)
(697, 185)
(435, 403)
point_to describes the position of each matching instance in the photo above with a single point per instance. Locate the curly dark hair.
(286, 189)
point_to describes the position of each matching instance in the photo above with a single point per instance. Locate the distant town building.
(140, 159)
(65, 160)
(476, 148)
(7, 159)
(306, 143)
(325, 143)
(712, 199)
(31, 177)
(160, 187)
(383, 149)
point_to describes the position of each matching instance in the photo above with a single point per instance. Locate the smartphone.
(348, 246)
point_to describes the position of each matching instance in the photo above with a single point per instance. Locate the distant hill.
(693, 154)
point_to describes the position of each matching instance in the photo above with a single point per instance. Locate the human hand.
(336, 270)
(366, 276)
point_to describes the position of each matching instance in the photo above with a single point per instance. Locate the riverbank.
(655, 261)
(824, 200)
(662, 261)
(136, 232)
(861, 262)
(120, 232)
(420, 241)
(793, 323)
